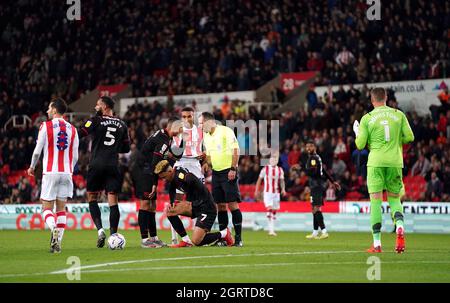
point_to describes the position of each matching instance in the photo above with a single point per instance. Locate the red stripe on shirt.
(72, 138)
(62, 128)
(267, 179)
(188, 144)
(273, 179)
(49, 125)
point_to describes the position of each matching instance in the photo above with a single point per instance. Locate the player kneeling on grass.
(202, 206)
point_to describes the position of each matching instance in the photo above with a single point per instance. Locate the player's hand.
(257, 196)
(30, 172)
(205, 168)
(283, 193)
(296, 167)
(152, 195)
(337, 185)
(201, 157)
(231, 175)
(356, 128)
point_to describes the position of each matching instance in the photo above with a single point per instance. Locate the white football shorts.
(56, 186)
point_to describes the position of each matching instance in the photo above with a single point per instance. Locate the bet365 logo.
(374, 11)
(74, 10)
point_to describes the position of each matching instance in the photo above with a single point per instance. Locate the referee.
(222, 151)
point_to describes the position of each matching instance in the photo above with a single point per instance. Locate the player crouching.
(202, 207)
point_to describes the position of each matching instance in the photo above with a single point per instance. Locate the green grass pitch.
(286, 258)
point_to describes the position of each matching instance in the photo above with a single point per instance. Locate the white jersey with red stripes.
(272, 176)
(193, 138)
(58, 139)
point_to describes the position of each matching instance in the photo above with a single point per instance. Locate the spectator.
(421, 167)
(338, 167)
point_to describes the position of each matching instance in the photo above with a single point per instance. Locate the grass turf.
(289, 257)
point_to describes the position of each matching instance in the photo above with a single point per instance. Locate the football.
(116, 241)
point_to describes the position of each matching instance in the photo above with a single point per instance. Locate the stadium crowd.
(189, 46)
(327, 123)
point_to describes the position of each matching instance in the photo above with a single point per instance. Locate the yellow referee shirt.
(219, 146)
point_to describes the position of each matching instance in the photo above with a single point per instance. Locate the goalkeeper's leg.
(395, 189)
(375, 220)
(397, 214)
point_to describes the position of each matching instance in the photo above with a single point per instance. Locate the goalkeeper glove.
(356, 128)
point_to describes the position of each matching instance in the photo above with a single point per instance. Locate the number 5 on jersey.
(109, 135)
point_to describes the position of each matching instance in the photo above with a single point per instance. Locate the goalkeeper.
(385, 130)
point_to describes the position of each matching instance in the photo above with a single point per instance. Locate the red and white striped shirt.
(272, 176)
(59, 140)
(192, 141)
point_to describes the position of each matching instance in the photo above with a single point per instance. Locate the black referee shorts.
(224, 190)
(142, 183)
(107, 178)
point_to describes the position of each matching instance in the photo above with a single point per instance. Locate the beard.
(99, 112)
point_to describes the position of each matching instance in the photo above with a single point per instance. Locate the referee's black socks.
(143, 220)
(222, 217)
(95, 214)
(114, 217)
(236, 216)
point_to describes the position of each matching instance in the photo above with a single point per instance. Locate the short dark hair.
(187, 109)
(108, 101)
(378, 93)
(311, 141)
(165, 123)
(60, 105)
(207, 116)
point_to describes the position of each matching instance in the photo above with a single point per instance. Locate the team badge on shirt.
(313, 162)
(181, 176)
(88, 123)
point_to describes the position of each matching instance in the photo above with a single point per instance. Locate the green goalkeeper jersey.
(385, 130)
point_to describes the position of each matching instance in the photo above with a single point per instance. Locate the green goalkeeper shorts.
(384, 178)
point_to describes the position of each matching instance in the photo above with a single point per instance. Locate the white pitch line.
(224, 266)
(62, 271)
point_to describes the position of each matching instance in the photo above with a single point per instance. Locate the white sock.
(155, 238)
(174, 233)
(271, 225)
(61, 221)
(376, 243)
(143, 240)
(223, 233)
(324, 231)
(315, 232)
(186, 239)
(100, 231)
(49, 218)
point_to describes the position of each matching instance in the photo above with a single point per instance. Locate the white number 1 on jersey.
(387, 133)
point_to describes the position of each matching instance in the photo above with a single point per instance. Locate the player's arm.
(176, 151)
(330, 178)
(42, 137)
(125, 146)
(232, 140)
(282, 183)
(407, 133)
(363, 134)
(172, 192)
(262, 174)
(76, 142)
(158, 155)
(88, 127)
